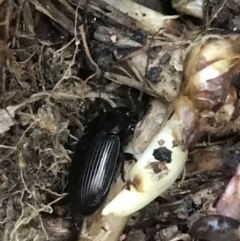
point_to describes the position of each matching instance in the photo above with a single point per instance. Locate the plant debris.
(64, 62)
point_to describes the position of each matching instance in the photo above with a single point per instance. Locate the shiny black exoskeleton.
(98, 155)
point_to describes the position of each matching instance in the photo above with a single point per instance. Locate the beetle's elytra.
(97, 157)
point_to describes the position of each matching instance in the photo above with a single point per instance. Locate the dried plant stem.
(81, 29)
(47, 8)
(146, 18)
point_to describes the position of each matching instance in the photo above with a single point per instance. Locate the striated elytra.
(97, 158)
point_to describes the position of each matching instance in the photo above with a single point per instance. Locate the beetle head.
(130, 118)
(131, 115)
(119, 121)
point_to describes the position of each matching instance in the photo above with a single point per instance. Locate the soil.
(52, 85)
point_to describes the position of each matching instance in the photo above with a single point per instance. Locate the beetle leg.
(120, 164)
(76, 219)
(123, 172)
(121, 160)
(130, 157)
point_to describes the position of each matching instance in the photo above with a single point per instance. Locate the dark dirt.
(46, 70)
(223, 15)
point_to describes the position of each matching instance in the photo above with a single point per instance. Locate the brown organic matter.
(51, 87)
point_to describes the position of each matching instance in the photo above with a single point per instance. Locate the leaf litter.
(57, 74)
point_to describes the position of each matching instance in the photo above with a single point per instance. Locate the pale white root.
(149, 177)
(146, 18)
(190, 7)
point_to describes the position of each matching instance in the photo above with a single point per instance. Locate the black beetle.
(97, 157)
